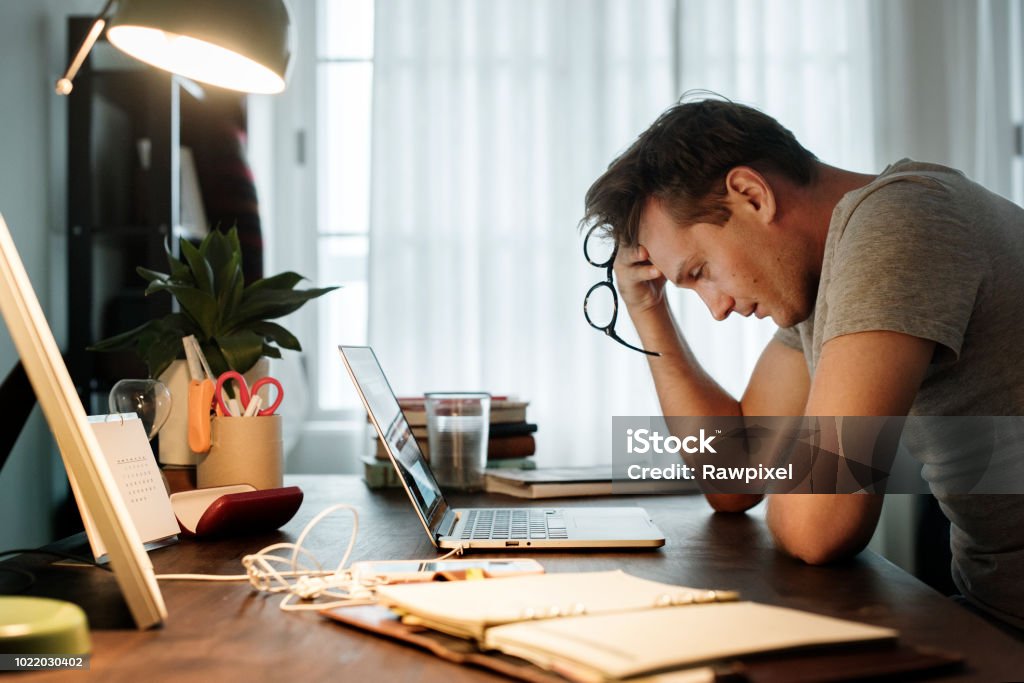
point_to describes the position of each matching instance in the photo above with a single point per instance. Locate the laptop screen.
(393, 429)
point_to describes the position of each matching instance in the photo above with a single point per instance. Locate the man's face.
(744, 266)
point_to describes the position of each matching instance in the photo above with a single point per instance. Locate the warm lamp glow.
(236, 44)
(195, 59)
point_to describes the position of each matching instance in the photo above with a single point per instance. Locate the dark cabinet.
(127, 126)
(123, 201)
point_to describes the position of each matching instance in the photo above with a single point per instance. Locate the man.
(895, 294)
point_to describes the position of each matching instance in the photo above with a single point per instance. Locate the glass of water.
(458, 424)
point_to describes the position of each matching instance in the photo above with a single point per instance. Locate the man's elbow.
(733, 502)
(821, 552)
(823, 529)
(819, 548)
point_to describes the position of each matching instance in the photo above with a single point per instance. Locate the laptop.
(490, 528)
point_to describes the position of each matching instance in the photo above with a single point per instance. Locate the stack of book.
(510, 445)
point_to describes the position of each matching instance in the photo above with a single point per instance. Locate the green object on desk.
(524, 463)
(380, 474)
(37, 626)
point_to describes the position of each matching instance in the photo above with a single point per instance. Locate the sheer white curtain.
(945, 80)
(491, 119)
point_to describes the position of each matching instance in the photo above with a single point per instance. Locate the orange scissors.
(200, 405)
(245, 393)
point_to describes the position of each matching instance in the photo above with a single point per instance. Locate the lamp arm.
(64, 86)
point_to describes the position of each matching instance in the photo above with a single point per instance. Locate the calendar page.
(127, 450)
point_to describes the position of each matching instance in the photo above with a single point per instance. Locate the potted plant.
(230, 320)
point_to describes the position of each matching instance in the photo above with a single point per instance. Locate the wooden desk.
(225, 632)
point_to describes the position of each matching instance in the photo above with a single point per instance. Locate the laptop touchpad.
(607, 522)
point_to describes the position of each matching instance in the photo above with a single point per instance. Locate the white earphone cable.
(306, 582)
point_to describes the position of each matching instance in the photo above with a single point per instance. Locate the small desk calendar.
(126, 448)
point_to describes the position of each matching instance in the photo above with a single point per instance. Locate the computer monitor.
(78, 446)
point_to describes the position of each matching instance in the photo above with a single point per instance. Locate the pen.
(254, 406)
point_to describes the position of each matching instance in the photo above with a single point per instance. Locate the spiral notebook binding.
(664, 600)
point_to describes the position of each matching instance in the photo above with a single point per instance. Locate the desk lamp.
(236, 44)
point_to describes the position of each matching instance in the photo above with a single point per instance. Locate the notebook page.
(467, 608)
(613, 646)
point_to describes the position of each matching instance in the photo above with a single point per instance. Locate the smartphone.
(408, 571)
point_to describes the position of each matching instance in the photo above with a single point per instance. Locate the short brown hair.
(682, 160)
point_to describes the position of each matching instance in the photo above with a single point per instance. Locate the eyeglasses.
(601, 304)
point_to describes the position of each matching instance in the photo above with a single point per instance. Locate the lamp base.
(42, 626)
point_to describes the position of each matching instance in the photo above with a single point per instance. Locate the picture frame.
(78, 445)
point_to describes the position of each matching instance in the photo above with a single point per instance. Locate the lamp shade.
(236, 44)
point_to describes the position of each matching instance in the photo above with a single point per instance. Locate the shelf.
(125, 231)
(121, 199)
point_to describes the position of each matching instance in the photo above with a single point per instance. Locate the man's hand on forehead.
(641, 256)
(640, 283)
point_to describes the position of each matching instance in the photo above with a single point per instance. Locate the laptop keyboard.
(513, 524)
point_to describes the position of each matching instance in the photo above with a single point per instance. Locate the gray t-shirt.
(924, 251)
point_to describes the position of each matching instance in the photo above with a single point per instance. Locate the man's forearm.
(683, 387)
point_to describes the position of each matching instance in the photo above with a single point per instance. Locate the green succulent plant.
(231, 321)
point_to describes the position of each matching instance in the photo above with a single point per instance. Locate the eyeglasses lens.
(600, 306)
(599, 250)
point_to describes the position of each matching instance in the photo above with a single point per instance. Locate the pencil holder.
(174, 449)
(244, 450)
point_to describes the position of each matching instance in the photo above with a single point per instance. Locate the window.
(344, 87)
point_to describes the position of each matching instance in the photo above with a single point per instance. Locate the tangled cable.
(270, 572)
(307, 582)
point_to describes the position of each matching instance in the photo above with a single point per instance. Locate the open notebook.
(610, 625)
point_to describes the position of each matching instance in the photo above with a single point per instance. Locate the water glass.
(457, 429)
